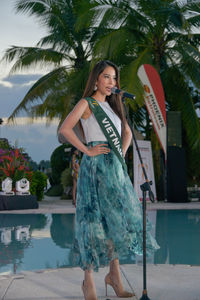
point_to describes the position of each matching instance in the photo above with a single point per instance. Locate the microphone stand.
(146, 186)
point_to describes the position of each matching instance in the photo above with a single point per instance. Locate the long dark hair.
(113, 100)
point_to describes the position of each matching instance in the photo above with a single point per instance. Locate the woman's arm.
(126, 138)
(66, 129)
(67, 126)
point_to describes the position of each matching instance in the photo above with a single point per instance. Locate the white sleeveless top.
(91, 128)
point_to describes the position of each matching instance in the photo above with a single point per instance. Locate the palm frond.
(31, 56)
(87, 15)
(194, 21)
(61, 44)
(191, 7)
(44, 86)
(179, 98)
(190, 62)
(55, 106)
(33, 8)
(130, 80)
(112, 43)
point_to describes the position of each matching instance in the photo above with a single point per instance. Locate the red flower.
(21, 168)
(14, 165)
(7, 157)
(6, 172)
(16, 153)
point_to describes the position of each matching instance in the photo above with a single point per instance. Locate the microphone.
(115, 90)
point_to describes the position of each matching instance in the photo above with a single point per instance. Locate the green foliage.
(66, 178)
(13, 164)
(55, 191)
(59, 161)
(166, 35)
(44, 165)
(4, 144)
(130, 33)
(38, 184)
(67, 182)
(193, 170)
(67, 49)
(160, 33)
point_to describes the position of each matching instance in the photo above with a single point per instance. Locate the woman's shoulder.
(84, 104)
(83, 101)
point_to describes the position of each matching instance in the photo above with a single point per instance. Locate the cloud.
(22, 30)
(5, 83)
(28, 121)
(12, 91)
(20, 80)
(18, 29)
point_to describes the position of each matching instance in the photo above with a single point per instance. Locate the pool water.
(41, 241)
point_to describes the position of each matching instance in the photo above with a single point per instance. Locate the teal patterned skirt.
(108, 214)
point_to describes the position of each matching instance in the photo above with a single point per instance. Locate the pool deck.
(55, 205)
(164, 282)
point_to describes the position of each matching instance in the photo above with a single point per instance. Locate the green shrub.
(4, 144)
(59, 161)
(38, 184)
(67, 182)
(55, 191)
(66, 178)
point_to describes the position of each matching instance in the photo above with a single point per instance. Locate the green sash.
(108, 128)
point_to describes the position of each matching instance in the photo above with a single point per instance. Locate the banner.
(155, 101)
(146, 154)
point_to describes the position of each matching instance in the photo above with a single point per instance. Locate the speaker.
(176, 175)
(174, 129)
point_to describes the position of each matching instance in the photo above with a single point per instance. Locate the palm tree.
(66, 49)
(162, 33)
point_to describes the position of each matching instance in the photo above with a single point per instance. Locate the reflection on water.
(30, 242)
(62, 230)
(177, 233)
(15, 237)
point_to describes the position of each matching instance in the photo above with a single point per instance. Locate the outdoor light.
(7, 187)
(22, 187)
(6, 235)
(22, 233)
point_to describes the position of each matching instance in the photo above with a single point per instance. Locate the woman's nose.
(112, 81)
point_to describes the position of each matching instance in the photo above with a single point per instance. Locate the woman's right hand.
(98, 149)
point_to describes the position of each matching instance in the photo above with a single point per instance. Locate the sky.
(38, 140)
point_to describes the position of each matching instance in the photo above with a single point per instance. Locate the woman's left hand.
(98, 149)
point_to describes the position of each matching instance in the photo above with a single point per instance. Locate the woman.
(108, 213)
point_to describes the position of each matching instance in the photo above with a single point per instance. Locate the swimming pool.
(41, 241)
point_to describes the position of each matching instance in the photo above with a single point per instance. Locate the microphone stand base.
(144, 296)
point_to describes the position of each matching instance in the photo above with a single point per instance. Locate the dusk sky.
(21, 30)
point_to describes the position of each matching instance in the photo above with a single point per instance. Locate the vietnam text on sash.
(112, 134)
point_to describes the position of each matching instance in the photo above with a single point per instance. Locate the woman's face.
(106, 81)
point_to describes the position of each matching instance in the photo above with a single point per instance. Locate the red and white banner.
(155, 101)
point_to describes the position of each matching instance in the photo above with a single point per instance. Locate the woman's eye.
(107, 76)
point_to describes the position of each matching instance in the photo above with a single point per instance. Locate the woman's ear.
(95, 87)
